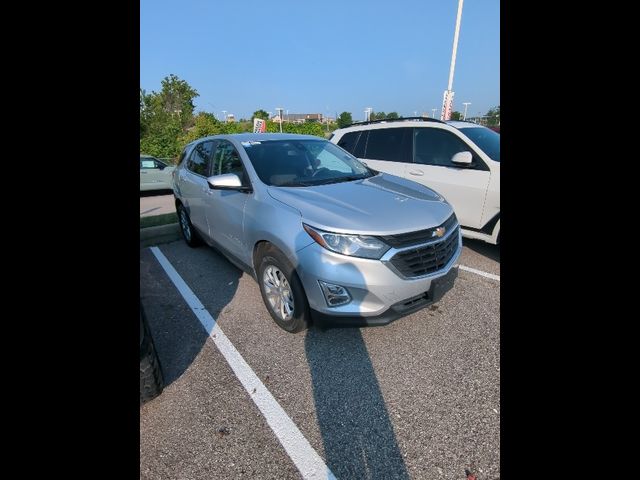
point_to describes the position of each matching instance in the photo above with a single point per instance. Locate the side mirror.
(462, 158)
(228, 181)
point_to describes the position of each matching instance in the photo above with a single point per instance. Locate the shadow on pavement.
(177, 333)
(358, 437)
(483, 248)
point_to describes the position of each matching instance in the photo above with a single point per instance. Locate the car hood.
(383, 204)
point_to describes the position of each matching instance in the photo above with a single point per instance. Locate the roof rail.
(384, 120)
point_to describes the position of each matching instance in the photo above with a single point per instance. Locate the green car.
(154, 174)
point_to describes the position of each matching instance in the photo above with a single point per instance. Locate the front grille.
(426, 259)
(402, 240)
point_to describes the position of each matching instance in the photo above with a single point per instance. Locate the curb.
(161, 234)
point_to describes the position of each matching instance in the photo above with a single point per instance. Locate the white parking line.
(480, 272)
(305, 458)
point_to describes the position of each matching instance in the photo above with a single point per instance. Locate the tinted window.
(348, 141)
(391, 144)
(360, 146)
(227, 160)
(200, 159)
(435, 146)
(486, 139)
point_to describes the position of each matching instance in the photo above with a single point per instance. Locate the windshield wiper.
(349, 178)
(295, 184)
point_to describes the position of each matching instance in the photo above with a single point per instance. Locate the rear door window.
(348, 141)
(390, 144)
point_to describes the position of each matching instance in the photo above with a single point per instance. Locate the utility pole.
(466, 104)
(433, 112)
(447, 103)
(224, 115)
(280, 110)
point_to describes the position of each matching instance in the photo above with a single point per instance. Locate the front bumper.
(379, 295)
(438, 288)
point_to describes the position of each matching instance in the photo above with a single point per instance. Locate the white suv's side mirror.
(463, 158)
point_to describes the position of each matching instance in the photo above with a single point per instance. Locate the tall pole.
(448, 94)
(433, 111)
(280, 110)
(466, 104)
(455, 45)
(224, 115)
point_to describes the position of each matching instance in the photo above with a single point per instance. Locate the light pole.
(280, 110)
(433, 112)
(448, 94)
(367, 113)
(224, 115)
(466, 104)
(269, 115)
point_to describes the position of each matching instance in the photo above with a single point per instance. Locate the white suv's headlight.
(353, 245)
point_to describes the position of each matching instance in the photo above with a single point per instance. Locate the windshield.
(486, 139)
(303, 163)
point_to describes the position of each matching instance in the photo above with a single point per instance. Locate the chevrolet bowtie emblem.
(439, 232)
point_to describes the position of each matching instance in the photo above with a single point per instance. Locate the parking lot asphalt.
(419, 398)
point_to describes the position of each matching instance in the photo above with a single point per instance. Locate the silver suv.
(326, 237)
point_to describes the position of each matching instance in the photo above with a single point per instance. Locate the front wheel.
(282, 292)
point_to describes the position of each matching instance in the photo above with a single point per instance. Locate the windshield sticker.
(248, 144)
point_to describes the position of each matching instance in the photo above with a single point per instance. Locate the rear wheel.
(186, 227)
(282, 291)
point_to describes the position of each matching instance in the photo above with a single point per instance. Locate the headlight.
(352, 245)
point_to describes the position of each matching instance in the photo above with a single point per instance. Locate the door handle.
(143, 171)
(417, 173)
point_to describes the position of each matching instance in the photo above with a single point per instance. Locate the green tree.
(493, 116)
(165, 116)
(456, 116)
(344, 119)
(260, 114)
(306, 128)
(176, 98)
(393, 115)
(205, 124)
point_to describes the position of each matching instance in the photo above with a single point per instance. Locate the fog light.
(334, 295)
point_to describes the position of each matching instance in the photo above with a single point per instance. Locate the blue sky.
(323, 57)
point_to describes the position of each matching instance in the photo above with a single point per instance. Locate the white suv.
(459, 160)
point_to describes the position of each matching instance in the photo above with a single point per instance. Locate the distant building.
(299, 117)
(231, 118)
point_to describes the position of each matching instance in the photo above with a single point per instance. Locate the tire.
(272, 261)
(189, 233)
(151, 379)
